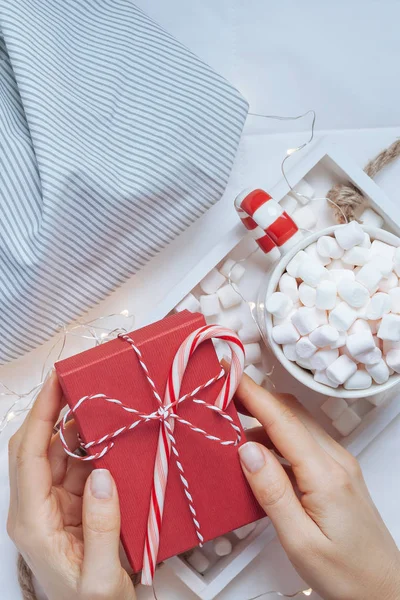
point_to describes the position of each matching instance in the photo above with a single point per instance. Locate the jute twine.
(350, 200)
(348, 197)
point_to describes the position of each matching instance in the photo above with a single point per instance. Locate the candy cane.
(167, 442)
(272, 228)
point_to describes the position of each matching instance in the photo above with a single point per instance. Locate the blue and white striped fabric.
(113, 139)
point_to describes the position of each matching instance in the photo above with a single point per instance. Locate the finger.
(258, 434)
(287, 433)
(317, 431)
(274, 492)
(76, 477)
(58, 458)
(13, 448)
(101, 531)
(33, 472)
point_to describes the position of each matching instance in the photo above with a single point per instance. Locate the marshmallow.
(394, 296)
(307, 295)
(305, 218)
(341, 341)
(289, 350)
(312, 251)
(198, 561)
(340, 370)
(304, 363)
(360, 343)
(361, 406)
(393, 360)
(388, 284)
(377, 306)
(279, 305)
(388, 346)
(248, 246)
(359, 326)
(355, 294)
(347, 422)
(389, 328)
(379, 372)
(249, 333)
(383, 264)
(328, 246)
(288, 286)
(344, 350)
(371, 219)
(321, 377)
(369, 276)
(366, 243)
(234, 322)
(252, 353)
(233, 270)
(326, 335)
(357, 256)
(212, 282)
(326, 295)
(244, 531)
(287, 319)
(305, 348)
(339, 264)
(396, 264)
(342, 317)
(289, 204)
(228, 297)
(333, 407)
(209, 305)
(311, 272)
(255, 374)
(303, 192)
(307, 319)
(222, 546)
(293, 265)
(341, 276)
(382, 251)
(321, 360)
(349, 235)
(190, 302)
(372, 357)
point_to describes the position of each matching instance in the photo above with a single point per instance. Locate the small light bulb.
(125, 313)
(103, 335)
(307, 592)
(11, 415)
(290, 151)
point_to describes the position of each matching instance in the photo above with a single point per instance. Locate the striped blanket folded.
(114, 137)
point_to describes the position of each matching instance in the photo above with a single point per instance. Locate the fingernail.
(252, 457)
(101, 484)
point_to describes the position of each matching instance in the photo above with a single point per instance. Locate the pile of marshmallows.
(337, 311)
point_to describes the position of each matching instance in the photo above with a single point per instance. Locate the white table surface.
(286, 57)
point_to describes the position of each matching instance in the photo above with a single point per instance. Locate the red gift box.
(221, 495)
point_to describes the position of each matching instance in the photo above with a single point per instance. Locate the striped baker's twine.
(167, 415)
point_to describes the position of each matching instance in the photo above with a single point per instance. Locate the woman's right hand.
(331, 530)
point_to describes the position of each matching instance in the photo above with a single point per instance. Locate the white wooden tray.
(323, 167)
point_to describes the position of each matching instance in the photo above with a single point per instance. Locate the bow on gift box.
(167, 415)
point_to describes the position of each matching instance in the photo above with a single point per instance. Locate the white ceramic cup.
(265, 320)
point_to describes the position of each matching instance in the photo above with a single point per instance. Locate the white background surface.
(286, 57)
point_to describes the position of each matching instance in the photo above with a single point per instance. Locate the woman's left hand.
(64, 520)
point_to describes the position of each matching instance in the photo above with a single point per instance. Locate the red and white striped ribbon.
(271, 227)
(167, 415)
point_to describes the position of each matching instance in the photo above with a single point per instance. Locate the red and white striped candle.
(272, 228)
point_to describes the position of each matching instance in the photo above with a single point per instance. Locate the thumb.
(273, 489)
(101, 532)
